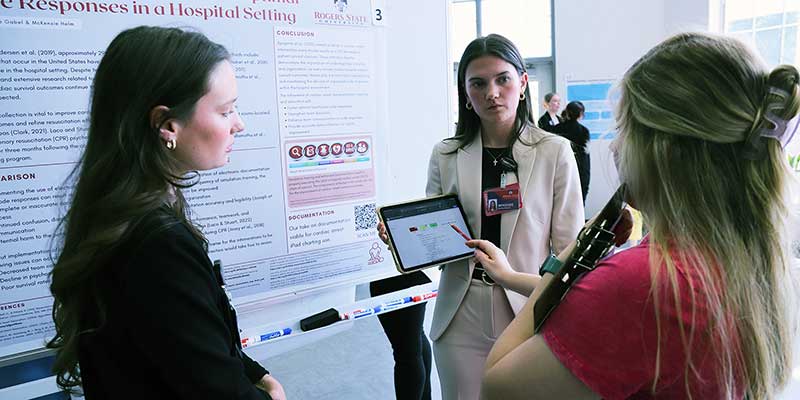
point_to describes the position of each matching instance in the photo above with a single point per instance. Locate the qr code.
(366, 218)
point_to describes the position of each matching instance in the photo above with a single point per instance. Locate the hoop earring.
(469, 106)
(171, 144)
(522, 96)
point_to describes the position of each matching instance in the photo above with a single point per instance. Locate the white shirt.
(553, 119)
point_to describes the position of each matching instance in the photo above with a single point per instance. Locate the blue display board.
(599, 115)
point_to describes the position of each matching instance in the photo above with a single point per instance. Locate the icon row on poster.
(324, 150)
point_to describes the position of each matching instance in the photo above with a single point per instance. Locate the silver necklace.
(494, 157)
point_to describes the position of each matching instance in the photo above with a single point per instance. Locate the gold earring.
(469, 106)
(522, 96)
(171, 144)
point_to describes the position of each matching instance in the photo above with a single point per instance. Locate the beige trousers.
(461, 351)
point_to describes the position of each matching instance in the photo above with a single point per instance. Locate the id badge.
(502, 200)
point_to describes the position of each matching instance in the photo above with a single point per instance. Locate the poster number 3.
(378, 12)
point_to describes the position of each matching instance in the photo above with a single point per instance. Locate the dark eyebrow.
(496, 76)
(230, 101)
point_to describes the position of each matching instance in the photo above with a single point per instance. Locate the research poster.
(295, 207)
(599, 114)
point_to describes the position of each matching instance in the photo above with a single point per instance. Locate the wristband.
(551, 265)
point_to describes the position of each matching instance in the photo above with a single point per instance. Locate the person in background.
(550, 118)
(496, 144)
(139, 309)
(578, 135)
(704, 307)
(411, 349)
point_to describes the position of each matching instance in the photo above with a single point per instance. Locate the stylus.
(460, 232)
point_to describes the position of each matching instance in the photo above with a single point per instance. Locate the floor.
(353, 365)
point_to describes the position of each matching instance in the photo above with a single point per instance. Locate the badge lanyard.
(502, 199)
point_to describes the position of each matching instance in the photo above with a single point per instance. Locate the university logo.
(338, 15)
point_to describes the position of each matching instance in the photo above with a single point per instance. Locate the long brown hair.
(468, 121)
(687, 115)
(125, 171)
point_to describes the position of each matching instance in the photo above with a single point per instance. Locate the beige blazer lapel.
(468, 169)
(524, 151)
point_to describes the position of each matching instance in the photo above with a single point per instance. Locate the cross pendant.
(494, 162)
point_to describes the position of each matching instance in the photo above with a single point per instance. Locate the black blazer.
(577, 134)
(169, 331)
(546, 123)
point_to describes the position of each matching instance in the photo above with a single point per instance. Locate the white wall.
(419, 82)
(600, 40)
(686, 15)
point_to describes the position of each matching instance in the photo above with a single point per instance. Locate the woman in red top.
(700, 309)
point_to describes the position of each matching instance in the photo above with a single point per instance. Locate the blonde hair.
(686, 116)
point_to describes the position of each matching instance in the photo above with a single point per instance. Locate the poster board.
(312, 74)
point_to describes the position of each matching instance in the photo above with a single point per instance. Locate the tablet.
(428, 232)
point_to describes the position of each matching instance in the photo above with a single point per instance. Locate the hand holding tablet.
(425, 233)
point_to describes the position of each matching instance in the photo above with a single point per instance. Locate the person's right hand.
(493, 260)
(382, 233)
(272, 387)
(624, 228)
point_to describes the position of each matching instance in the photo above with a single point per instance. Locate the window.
(463, 28)
(771, 26)
(527, 23)
(524, 22)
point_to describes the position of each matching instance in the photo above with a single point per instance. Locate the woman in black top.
(138, 307)
(550, 119)
(578, 135)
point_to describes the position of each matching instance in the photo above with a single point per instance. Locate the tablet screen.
(423, 232)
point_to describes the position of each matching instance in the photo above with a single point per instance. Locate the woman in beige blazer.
(496, 135)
